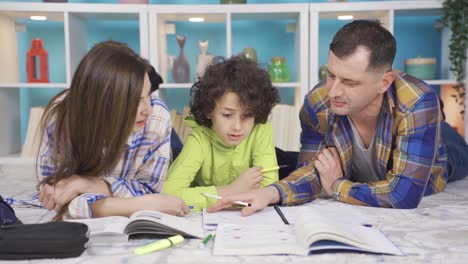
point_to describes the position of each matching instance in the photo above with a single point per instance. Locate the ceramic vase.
(278, 70)
(204, 58)
(250, 53)
(181, 67)
(232, 1)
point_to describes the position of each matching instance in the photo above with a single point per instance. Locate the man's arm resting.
(301, 186)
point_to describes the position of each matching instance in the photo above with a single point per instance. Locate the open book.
(118, 228)
(315, 229)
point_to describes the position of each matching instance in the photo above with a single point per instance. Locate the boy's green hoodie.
(205, 162)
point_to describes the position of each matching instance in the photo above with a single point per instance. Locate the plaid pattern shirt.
(409, 149)
(142, 169)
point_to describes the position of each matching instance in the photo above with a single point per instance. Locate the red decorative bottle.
(37, 54)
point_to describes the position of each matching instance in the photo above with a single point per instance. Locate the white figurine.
(204, 58)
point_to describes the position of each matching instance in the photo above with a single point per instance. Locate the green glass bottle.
(278, 70)
(323, 72)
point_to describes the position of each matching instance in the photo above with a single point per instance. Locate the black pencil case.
(48, 240)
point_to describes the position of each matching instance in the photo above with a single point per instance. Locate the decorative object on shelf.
(232, 1)
(278, 70)
(421, 68)
(454, 17)
(181, 67)
(37, 54)
(133, 1)
(452, 107)
(323, 72)
(204, 58)
(250, 53)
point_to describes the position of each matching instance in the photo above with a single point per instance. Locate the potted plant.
(455, 17)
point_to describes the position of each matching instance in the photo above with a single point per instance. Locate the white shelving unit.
(152, 26)
(74, 19)
(388, 12)
(163, 18)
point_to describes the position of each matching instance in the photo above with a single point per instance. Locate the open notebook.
(267, 216)
(315, 229)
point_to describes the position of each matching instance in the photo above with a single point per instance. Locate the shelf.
(34, 85)
(189, 85)
(16, 159)
(287, 85)
(175, 85)
(440, 82)
(299, 32)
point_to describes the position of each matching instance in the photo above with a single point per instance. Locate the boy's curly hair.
(239, 75)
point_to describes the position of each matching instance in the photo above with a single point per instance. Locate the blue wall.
(269, 38)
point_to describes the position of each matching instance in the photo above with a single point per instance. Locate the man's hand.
(55, 197)
(258, 200)
(328, 165)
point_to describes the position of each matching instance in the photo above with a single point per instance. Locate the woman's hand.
(54, 197)
(168, 204)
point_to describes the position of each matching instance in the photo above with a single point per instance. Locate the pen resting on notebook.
(219, 198)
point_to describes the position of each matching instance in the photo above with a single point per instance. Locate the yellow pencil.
(274, 168)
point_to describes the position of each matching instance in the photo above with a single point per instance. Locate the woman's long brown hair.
(96, 115)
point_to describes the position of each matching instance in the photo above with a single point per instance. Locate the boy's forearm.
(273, 194)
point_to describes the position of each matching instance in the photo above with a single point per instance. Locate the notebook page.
(256, 240)
(267, 216)
(342, 224)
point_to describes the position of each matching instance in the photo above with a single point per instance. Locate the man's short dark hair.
(370, 34)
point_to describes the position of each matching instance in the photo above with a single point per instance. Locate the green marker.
(206, 240)
(159, 245)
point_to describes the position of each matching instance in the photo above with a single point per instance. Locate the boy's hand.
(258, 199)
(248, 180)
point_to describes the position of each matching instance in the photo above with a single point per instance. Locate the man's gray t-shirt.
(365, 164)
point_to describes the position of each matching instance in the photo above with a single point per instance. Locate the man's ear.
(386, 81)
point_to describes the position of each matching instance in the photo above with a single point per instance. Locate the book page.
(267, 216)
(112, 225)
(256, 240)
(345, 226)
(154, 222)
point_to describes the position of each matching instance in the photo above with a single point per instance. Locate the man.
(370, 136)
